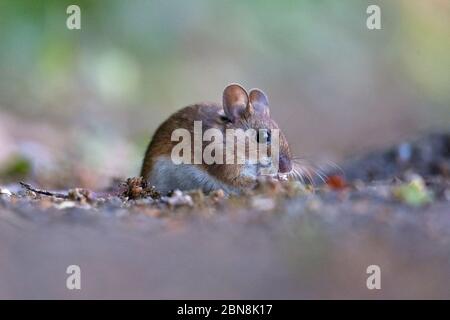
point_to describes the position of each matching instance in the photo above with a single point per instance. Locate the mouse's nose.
(284, 164)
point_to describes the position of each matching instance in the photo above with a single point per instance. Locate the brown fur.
(237, 112)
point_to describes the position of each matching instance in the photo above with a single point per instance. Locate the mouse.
(240, 109)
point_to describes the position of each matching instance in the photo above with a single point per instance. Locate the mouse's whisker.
(305, 167)
(299, 176)
(307, 172)
(295, 176)
(326, 165)
(334, 166)
(304, 174)
(300, 173)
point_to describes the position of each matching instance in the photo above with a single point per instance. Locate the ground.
(284, 239)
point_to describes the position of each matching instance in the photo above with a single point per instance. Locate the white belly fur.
(167, 176)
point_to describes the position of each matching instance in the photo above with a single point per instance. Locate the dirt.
(284, 239)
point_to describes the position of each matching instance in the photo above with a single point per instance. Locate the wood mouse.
(239, 110)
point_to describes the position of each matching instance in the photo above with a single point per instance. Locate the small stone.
(4, 191)
(217, 195)
(66, 205)
(263, 203)
(179, 199)
(81, 195)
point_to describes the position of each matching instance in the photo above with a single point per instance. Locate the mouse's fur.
(240, 110)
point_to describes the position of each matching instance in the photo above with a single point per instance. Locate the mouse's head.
(251, 110)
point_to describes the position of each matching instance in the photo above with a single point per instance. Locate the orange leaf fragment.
(336, 182)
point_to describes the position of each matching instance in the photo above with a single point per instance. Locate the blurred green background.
(77, 107)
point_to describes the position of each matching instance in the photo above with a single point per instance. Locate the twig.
(44, 192)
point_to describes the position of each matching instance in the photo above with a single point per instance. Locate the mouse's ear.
(259, 101)
(235, 99)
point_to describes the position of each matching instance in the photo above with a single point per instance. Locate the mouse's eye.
(263, 136)
(225, 119)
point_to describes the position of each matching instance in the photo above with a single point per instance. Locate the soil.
(390, 208)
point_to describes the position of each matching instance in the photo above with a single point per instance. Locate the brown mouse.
(240, 110)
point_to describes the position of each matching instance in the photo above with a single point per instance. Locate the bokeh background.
(77, 107)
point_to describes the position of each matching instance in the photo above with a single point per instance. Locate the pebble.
(263, 203)
(4, 191)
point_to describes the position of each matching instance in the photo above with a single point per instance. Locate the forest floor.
(390, 208)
